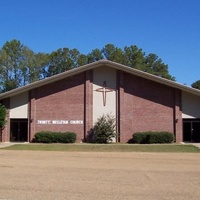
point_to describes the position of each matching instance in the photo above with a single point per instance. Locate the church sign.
(59, 122)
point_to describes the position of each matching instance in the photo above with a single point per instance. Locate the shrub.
(104, 129)
(54, 137)
(161, 137)
(140, 138)
(152, 137)
(2, 116)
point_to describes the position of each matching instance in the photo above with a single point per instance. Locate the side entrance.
(18, 130)
(191, 130)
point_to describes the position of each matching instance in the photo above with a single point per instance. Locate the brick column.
(88, 103)
(120, 109)
(32, 115)
(178, 126)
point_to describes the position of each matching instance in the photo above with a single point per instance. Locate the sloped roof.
(93, 66)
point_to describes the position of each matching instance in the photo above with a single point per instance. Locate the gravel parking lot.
(45, 175)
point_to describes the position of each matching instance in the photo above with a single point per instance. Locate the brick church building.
(73, 100)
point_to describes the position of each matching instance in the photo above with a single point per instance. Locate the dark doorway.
(18, 130)
(191, 130)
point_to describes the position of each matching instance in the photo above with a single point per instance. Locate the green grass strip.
(105, 147)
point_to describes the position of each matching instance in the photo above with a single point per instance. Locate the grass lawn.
(106, 147)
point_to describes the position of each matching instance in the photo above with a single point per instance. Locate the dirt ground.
(35, 175)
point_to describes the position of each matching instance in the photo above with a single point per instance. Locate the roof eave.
(95, 65)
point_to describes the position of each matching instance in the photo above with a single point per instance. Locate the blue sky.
(168, 28)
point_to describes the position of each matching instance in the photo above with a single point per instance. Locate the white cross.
(104, 90)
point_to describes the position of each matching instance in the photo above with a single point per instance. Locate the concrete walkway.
(7, 144)
(196, 144)
(191, 143)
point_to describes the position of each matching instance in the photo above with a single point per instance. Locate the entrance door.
(196, 131)
(187, 131)
(191, 131)
(18, 130)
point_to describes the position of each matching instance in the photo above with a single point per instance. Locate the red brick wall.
(62, 100)
(145, 106)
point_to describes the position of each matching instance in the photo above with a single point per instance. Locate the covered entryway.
(18, 130)
(191, 130)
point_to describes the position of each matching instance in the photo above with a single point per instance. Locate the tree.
(154, 65)
(11, 59)
(135, 57)
(2, 119)
(2, 116)
(95, 55)
(82, 60)
(104, 129)
(20, 66)
(114, 54)
(33, 66)
(62, 60)
(9, 85)
(196, 85)
(36, 69)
